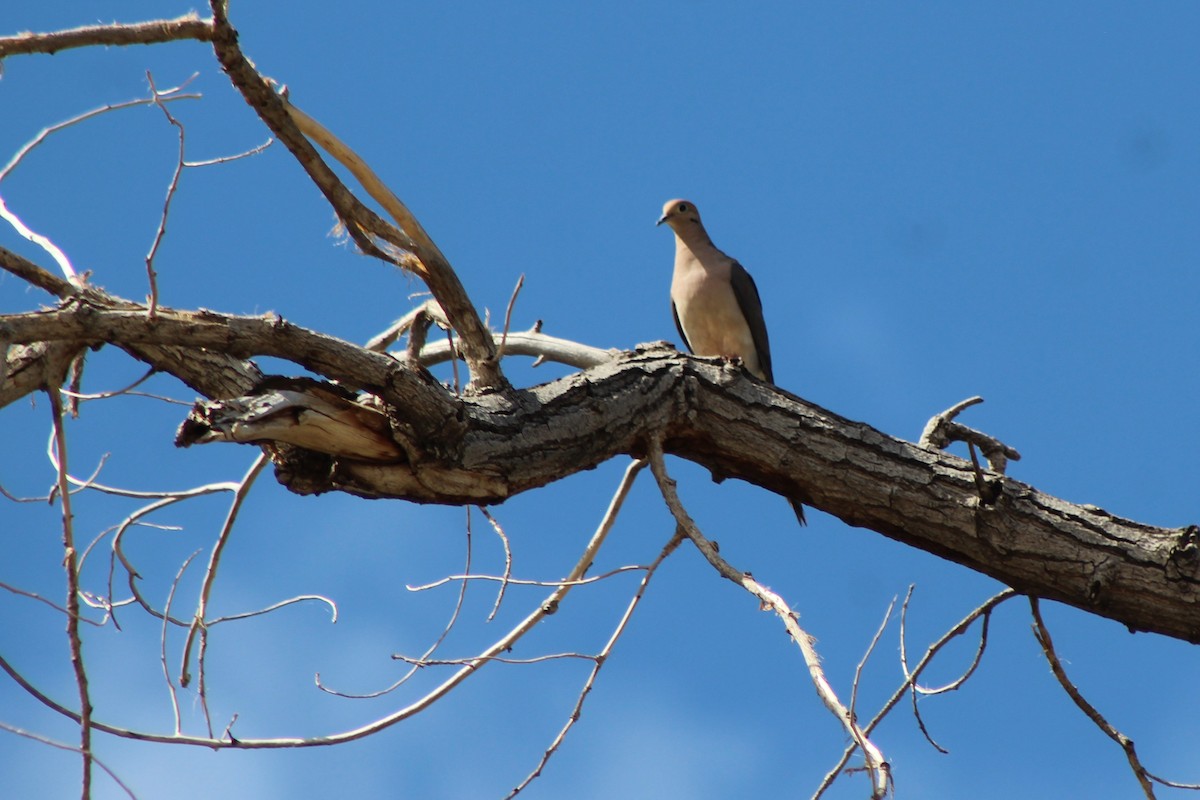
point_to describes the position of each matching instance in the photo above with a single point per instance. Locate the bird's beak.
(661, 220)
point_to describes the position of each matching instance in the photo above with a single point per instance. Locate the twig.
(911, 678)
(44, 242)
(941, 430)
(454, 363)
(1144, 777)
(70, 747)
(984, 610)
(291, 601)
(598, 662)
(253, 151)
(210, 576)
(512, 301)
(166, 670)
(428, 310)
(71, 565)
(421, 660)
(152, 301)
(507, 560)
(876, 765)
(416, 337)
(519, 581)
(887, 617)
(125, 390)
(458, 662)
(40, 599)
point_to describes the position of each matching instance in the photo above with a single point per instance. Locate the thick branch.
(30, 368)
(487, 448)
(28, 271)
(427, 404)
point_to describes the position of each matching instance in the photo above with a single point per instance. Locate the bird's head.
(679, 213)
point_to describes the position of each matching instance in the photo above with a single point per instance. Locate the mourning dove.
(714, 300)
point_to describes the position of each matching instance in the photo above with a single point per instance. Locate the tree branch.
(189, 26)
(486, 448)
(361, 222)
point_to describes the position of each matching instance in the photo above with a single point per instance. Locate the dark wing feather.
(679, 327)
(751, 305)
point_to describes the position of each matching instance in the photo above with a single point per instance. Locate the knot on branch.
(941, 430)
(1185, 553)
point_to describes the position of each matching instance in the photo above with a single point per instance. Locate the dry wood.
(486, 448)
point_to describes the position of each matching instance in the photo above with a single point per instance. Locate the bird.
(715, 302)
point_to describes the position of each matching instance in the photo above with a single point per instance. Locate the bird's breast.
(710, 316)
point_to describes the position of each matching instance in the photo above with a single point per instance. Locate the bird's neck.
(694, 240)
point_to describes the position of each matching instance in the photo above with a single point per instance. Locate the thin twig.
(1144, 777)
(512, 301)
(876, 765)
(423, 659)
(984, 610)
(39, 598)
(458, 662)
(253, 151)
(210, 573)
(152, 301)
(507, 560)
(210, 576)
(69, 747)
(166, 670)
(71, 565)
(519, 581)
(887, 616)
(60, 257)
(168, 96)
(598, 662)
(454, 363)
(275, 607)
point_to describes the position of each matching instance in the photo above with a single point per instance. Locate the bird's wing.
(679, 327)
(751, 306)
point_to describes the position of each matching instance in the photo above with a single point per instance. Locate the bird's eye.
(683, 207)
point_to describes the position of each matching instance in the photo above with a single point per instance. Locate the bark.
(484, 448)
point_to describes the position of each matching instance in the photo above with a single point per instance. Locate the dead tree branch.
(362, 224)
(483, 449)
(189, 26)
(1145, 778)
(876, 765)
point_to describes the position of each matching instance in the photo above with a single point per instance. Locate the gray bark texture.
(486, 446)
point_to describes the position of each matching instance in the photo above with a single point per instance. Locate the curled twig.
(941, 430)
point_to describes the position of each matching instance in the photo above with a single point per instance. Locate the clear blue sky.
(936, 202)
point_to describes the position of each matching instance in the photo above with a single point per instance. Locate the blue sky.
(936, 202)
